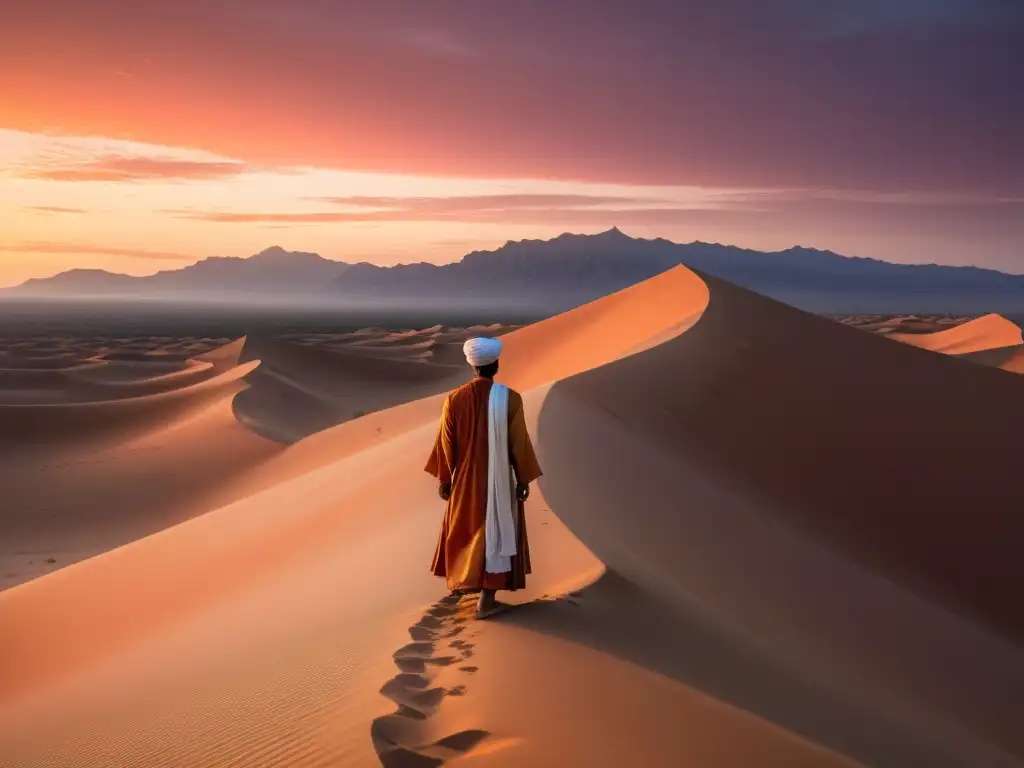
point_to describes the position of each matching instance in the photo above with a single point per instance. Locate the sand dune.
(736, 563)
(988, 332)
(299, 390)
(908, 324)
(1009, 358)
(800, 522)
(83, 443)
(100, 459)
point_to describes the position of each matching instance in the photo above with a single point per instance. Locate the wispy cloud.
(121, 168)
(493, 202)
(552, 216)
(52, 209)
(94, 250)
(493, 208)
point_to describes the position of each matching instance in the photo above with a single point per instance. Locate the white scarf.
(500, 528)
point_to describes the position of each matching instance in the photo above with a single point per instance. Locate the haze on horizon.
(140, 136)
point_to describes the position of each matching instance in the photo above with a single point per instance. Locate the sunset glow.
(415, 133)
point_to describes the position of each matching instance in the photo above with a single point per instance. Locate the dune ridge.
(188, 423)
(101, 465)
(987, 332)
(728, 571)
(1008, 358)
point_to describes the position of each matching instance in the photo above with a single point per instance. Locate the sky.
(137, 136)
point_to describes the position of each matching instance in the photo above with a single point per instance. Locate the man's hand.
(522, 492)
(445, 491)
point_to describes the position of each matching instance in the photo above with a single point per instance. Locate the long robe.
(460, 457)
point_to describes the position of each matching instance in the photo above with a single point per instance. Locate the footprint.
(412, 714)
(463, 741)
(394, 735)
(411, 665)
(423, 701)
(441, 661)
(418, 650)
(400, 757)
(416, 632)
(410, 680)
(441, 612)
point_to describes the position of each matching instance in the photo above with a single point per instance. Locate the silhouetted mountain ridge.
(568, 270)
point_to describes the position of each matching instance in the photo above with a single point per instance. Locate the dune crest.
(987, 332)
(1008, 358)
(116, 451)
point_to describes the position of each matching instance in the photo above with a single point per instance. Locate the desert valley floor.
(763, 538)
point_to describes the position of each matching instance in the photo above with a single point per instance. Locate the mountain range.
(553, 275)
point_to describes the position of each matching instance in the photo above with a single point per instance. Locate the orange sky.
(137, 136)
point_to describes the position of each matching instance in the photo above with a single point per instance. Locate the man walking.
(484, 462)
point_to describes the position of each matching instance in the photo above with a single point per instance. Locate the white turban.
(480, 351)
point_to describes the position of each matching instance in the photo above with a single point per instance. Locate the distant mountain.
(572, 269)
(552, 275)
(272, 271)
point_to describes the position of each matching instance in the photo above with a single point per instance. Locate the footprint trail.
(435, 645)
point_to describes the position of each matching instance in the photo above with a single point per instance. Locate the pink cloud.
(95, 250)
(121, 169)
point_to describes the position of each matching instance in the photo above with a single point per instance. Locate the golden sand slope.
(117, 452)
(782, 585)
(184, 426)
(988, 332)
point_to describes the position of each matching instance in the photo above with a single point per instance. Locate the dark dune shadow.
(850, 496)
(1009, 359)
(819, 417)
(619, 618)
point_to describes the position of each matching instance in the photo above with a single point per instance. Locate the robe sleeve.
(520, 448)
(441, 463)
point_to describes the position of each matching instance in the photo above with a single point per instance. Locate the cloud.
(93, 250)
(53, 209)
(865, 222)
(493, 202)
(122, 168)
(496, 208)
(882, 94)
(551, 216)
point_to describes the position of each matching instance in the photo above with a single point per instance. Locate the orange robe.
(460, 457)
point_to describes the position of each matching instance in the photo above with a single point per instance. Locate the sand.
(762, 538)
(988, 332)
(1009, 358)
(991, 340)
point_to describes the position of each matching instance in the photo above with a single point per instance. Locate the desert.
(216, 549)
(533, 384)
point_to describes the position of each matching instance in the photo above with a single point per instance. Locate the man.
(484, 462)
